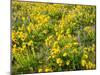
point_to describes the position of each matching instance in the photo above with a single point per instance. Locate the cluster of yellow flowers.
(50, 37)
(59, 61)
(89, 64)
(46, 69)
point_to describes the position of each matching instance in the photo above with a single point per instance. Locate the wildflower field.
(49, 37)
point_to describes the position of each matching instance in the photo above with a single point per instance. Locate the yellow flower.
(90, 65)
(14, 48)
(55, 51)
(22, 35)
(53, 56)
(58, 61)
(48, 69)
(65, 54)
(75, 38)
(29, 29)
(69, 35)
(24, 46)
(93, 49)
(30, 43)
(13, 35)
(59, 37)
(85, 48)
(75, 43)
(93, 66)
(23, 18)
(87, 67)
(85, 56)
(83, 63)
(40, 70)
(68, 62)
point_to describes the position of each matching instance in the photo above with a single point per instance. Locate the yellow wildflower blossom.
(23, 18)
(68, 62)
(24, 46)
(85, 56)
(30, 43)
(40, 70)
(58, 61)
(65, 54)
(48, 69)
(83, 63)
(14, 48)
(90, 65)
(93, 49)
(69, 35)
(59, 37)
(75, 43)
